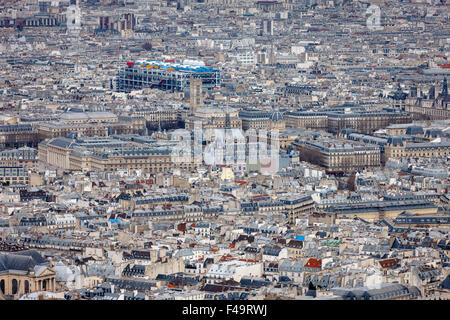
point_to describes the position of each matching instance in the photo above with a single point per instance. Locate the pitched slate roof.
(383, 292)
(446, 283)
(21, 261)
(131, 284)
(271, 251)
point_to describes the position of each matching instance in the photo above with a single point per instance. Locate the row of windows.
(15, 286)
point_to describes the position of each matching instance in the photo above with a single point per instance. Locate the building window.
(27, 286)
(14, 286)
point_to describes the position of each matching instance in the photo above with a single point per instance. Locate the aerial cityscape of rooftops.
(224, 150)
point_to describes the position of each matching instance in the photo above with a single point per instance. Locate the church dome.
(276, 116)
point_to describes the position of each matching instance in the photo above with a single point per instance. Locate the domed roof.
(63, 273)
(276, 116)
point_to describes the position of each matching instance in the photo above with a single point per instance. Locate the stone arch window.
(15, 286)
(2, 286)
(27, 286)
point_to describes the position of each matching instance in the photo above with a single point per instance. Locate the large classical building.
(107, 154)
(23, 272)
(378, 210)
(397, 148)
(307, 120)
(256, 119)
(160, 117)
(405, 140)
(336, 119)
(433, 104)
(214, 118)
(88, 117)
(128, 125)
(90, 124)
(85, 123)
(62, 129)
(337, 155)
(366, 122)
(18, 135)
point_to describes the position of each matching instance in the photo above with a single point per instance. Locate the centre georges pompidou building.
(165, 75)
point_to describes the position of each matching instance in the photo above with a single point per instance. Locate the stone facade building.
(337, 119)
(107, 155)
(297, 206)
(338, 156)
(398, 149)
(24, 272)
